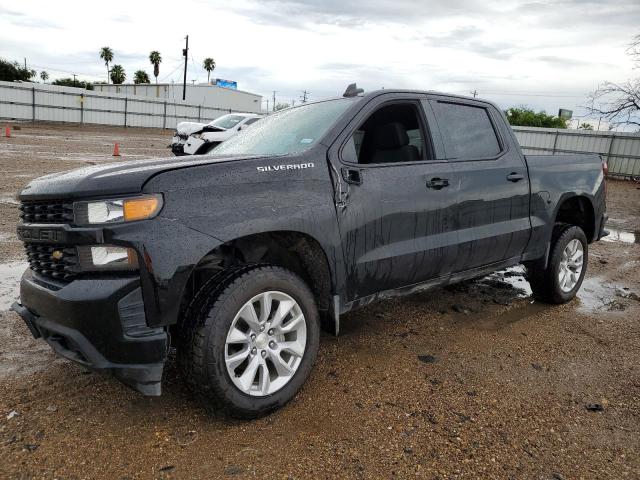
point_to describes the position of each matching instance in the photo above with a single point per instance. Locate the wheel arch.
(294, 250)
(578, 210)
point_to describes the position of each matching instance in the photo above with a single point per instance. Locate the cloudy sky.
(546, 53)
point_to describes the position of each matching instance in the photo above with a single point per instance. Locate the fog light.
(107, 257)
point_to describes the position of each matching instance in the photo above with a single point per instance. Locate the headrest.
(391, 135)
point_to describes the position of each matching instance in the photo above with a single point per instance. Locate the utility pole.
(474, 93)
(74, 79)
(25, 63)
(293, 102)
(305, 94)
(274, 101)
(185, 53)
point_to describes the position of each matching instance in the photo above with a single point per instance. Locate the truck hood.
(187, 128)
(111, 179)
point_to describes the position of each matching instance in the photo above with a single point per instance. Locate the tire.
(205, 355)
(546, 282)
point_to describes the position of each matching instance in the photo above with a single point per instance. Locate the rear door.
(491, 179)
(395, 208)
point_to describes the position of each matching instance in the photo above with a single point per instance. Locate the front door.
(396, 213)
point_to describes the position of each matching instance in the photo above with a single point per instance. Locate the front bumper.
(177, 145)
(98, 323)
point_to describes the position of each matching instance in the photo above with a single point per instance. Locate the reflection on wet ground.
(616, 235)
(9, 200)
(10, 274)
(513, 276)
(595, 294)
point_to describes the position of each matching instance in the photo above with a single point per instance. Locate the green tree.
(209, 65)
(106, 54)
(12, 71)
(70, 82)
(527, 117)
(118, 75)
(155, 59)
(585, 126)
(44, 76)
(280, 106)
(140, 76)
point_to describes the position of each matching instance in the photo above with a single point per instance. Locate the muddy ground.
(473, 381)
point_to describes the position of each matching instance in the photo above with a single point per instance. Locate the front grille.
(46, 212)
(53, 261)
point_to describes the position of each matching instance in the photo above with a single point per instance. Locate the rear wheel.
(251, 341)
(561, 279)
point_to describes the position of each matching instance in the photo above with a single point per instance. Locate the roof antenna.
(352, 91)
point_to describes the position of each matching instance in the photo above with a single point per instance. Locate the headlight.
(107, 257)
(117, 211)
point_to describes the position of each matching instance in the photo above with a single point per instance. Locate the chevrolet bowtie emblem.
(56, 255)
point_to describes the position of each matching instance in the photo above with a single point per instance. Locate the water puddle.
(10, 274)
(616, 235)
(511, 280)
(9, 200)
(596, 295)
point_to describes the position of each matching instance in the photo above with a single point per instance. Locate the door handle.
(437, 183)
(352, 175)
(515, 177)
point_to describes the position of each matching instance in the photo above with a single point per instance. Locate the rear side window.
(467, 131)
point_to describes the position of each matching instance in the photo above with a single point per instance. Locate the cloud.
(341, 13)
(23, 20)
(503, 46)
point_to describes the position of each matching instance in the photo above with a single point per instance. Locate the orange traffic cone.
(7, 132)
(116, 150)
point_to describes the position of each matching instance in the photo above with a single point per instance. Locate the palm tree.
(118, 75)
(44, 76)
(155, 59)
(140, 76)
(107, 55)
(209, 65)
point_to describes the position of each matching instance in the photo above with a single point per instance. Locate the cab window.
(392, 134)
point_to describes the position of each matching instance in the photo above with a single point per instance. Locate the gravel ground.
(471, 381)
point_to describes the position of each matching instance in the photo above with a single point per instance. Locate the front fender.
(168, 251)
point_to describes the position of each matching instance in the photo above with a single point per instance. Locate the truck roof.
(375, 93)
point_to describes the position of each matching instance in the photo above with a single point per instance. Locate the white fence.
(52, 103)
(621, 150)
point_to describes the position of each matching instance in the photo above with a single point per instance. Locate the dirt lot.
(474, 381)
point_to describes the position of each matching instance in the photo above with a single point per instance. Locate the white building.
(204, 94)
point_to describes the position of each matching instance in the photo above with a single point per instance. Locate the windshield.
(227, 121)
(287, 131)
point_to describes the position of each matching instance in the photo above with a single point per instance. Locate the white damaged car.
(192, 138)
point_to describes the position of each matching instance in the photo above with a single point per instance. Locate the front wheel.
(252, 342)
(561, 279)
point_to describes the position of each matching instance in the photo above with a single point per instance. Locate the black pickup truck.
(234, 259)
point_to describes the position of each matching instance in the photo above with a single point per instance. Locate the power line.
(172, 72)
(535, 94)
(195, 68)
(528, 94)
